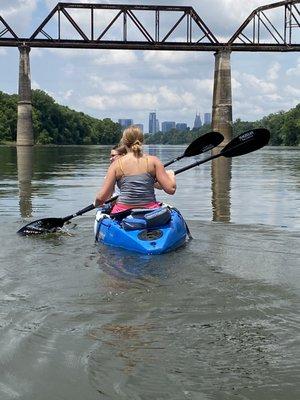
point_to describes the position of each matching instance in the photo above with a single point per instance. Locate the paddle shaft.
(87, 209)
(195, 164)
(249, 141)
(200, 145)
(174, 160)
(92, 206)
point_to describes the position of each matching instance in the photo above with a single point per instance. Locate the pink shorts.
(118, 207)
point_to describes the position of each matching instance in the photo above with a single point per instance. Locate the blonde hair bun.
(133, 139)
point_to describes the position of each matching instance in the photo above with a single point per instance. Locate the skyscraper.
(152, 122)
(157, 125)
(181, 126)
(167, 126)
(197, 122)
(125, 122)
(207, 118)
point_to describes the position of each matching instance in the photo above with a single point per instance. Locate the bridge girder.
(257, 33)
(262, 27)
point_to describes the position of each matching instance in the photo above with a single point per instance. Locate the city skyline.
(165, 126)
(120, 83)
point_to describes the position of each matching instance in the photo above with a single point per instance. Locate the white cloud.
(67, 95)
(272, 97)
(205, 86)
(292, 91)
(170, 97)
(224, 17)
(167, 71)
(273, 72)
(35, 85)
(113, 57)
(99, 102)
(135, 101)
(18, 14)
(140, 101)
(162, 98)
(235, 84)
(295, 71)
(71, 53)
(170, 57)
(253, 82)
(109, 87)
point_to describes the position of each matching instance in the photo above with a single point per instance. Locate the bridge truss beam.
(139, 27)
(269, 28)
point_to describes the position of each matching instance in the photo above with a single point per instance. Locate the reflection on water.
(261, 187)
(196, 332)
(220, 184)
(119, 263)
(217, 319)
(25, 173)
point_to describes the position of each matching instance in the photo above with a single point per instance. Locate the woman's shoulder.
(154, 159)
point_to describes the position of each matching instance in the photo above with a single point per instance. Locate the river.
(217, 319)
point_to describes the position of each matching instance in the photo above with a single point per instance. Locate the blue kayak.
(145, 231)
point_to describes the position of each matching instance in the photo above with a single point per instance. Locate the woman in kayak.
(135, 174)
(116, 152)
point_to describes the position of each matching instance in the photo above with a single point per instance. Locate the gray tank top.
(136, 189)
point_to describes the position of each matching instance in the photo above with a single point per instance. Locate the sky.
(130, 84)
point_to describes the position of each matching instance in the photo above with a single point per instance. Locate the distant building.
(197, 122)
(207, 118)
(141, 126)
(125, 122)
(167, 126)
(181, 126)
(152, 122)
(157, 125)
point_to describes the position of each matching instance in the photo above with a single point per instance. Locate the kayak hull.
(156, 240)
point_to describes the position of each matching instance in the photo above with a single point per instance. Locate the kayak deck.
(156, 232)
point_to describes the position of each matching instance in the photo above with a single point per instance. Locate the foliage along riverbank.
(284, 128)
(56, 124)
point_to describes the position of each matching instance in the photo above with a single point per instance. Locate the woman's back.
(135, 180)
(133, 165)
(136, 175)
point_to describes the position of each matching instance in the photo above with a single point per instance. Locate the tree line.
(284, 128)
(56, 124)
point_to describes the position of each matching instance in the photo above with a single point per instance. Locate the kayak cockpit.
(146, 231)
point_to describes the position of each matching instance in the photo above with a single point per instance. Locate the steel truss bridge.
(148, 27)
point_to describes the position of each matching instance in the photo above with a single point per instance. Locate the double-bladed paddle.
(200, 145)
(244, 143)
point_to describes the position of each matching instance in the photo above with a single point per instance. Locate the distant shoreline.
(14, 144)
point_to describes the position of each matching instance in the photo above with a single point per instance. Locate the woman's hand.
(171, 173)
(166, 179)
(98, 202)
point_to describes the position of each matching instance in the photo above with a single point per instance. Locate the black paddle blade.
(246, 142)
(203, 143)
(44, 225)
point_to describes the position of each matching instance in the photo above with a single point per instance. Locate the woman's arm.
(107, 188)
(166, 179)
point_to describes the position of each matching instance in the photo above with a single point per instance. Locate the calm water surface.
(218, 319)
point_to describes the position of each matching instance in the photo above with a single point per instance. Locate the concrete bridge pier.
(24, 124)
(222, 98)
